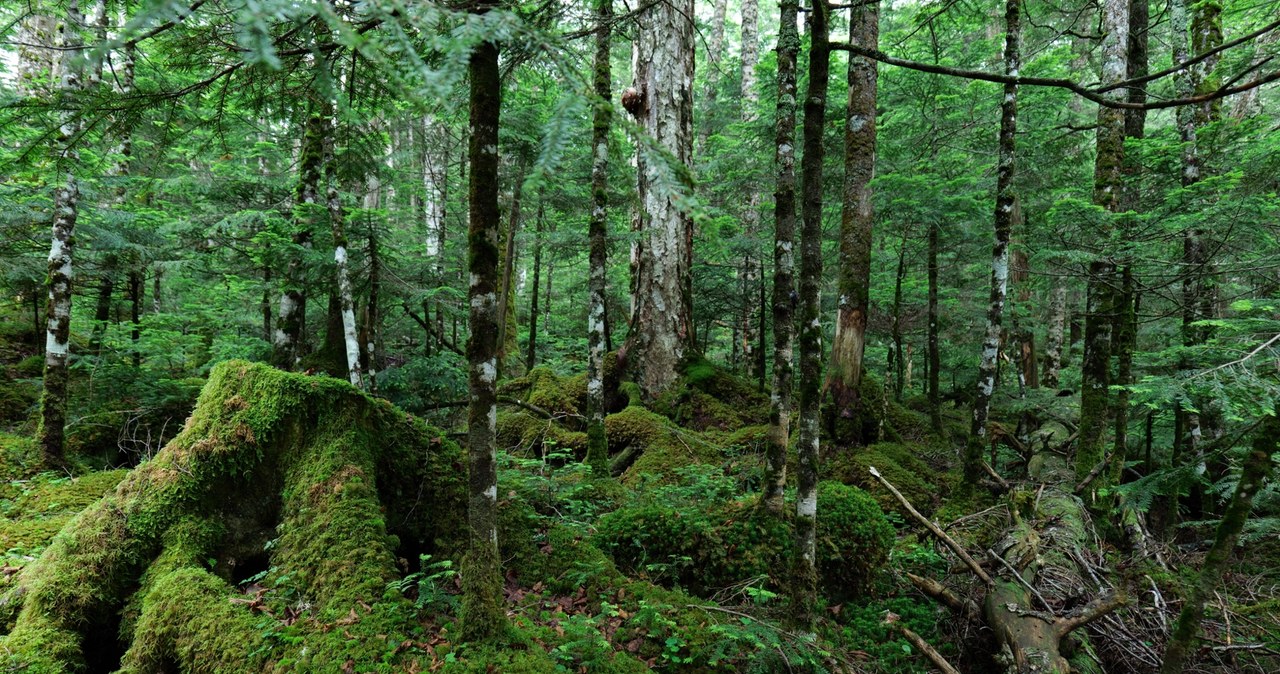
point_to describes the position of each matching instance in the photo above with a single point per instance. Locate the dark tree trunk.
(597, 234)
(899, 362)
(933, 358)
(784, 213)
(291, 319)
(844, 374)
(483, 617)
(506, 297)
(102, 310)
(136, 286)
(804, 577)
(531, 358)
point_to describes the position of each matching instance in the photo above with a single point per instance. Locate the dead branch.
(941, 593)
(934, 529)
(1093, 475)
(1095, 609)
(923, 646)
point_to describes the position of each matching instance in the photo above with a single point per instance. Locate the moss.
(650, 444)
(524, 433)
(341, 481)
(853, 539)
(36, 509)
(17, 400)
(900, 465)
(486, 660)
(710, 397)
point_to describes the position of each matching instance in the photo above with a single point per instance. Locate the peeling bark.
(66, 198)
(662, 328)
(844, 373)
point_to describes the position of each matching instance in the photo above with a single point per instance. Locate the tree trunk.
(36, 54)
(1257, 467)
(507, 345)
(136, 285)
(1005, 214)
(531, 358)
(784, 293)
(844, 373)
(291, 319)
(752, 282)
(483, 617)
(337, 224)
(899, 366)
(933, 359)
(662, 328)
(1095, 372)
(102, 310)
(715, 47)
(1057, 330)
(598, 237)
(66, 198)
(804, 576)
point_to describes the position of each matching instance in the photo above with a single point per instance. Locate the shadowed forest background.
(391, 336)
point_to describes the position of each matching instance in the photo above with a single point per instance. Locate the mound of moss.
(698, 536)
(263, 538)
(901, 466)
(708, 396)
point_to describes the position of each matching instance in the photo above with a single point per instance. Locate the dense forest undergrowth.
(706, 335)
(296, 524)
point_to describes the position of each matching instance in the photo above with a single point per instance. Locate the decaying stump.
(303, 486)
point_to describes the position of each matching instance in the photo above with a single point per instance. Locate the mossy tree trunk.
(933, 357)
(751, 270)
(844, 371)
(1256, 469)
(804, 577)
(288, 340)
(1005, 214)
(597, 234)
(338, 225)
(1100, 312)
(483, 617)
(66, 198)
(662, 330)
(784, 231)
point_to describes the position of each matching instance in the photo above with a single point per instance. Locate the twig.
(933, 528)
(1004, 484)
(923, 646)
(1093, 475)
(1023, 581)
(939, 592)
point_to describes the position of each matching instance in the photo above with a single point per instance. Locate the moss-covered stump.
(708, 397)
(301, 487)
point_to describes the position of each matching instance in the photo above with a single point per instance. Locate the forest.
(515, 336)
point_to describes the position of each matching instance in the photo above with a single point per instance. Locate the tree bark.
(61, 275)
(715, 47)
(784, 214)
(804, 576)
(1057, 330)
(483, 617)
(752, 358)
(597, 235)
(506, 305)
(291, 319)
(844, 373)
(933, 358)
(1006, 205)
(531, 358)
(338, 225)
(1108, 184)
(662, 327)
(1257, 467)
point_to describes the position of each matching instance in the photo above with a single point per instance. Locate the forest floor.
(295, 524)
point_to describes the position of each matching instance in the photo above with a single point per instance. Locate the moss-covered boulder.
(263, 538)
(708, 396)
(901, 465)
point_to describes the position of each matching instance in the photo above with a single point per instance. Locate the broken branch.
(934, 529)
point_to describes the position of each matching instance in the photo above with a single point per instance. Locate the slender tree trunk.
(102, 311)
(804, 576)
(1006, 205)
(507, 345)
(1057, 330)
(844, 373)
(1126, 337)
(531, 360)
(1095, 373)
(338, 225)
(662, 329)
(373, 310)
(899, 368)
(66, 198)
(784, 293)
(715, 47)
(1257, 467)
(752, 284)
(597, 235)
(933, 358)
(483, 617)
(291, 319)
(136, 285)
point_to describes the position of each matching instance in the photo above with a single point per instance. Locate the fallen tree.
(300, 487)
